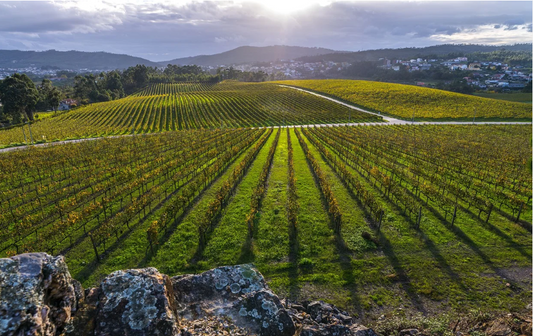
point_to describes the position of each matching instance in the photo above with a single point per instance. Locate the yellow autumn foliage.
(402, 100)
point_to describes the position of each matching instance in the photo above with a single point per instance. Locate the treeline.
(20, 98)
(243, 76)
(118, 84)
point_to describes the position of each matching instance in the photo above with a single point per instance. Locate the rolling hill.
(401, 101)
(436, 51)
(248, 54)
(69, 60)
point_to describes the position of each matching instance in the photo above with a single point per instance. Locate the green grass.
(226, 246)
(438, 267)
(176, 254)
(133, 251)
(271, 243)
(519, 97)
(434, 269)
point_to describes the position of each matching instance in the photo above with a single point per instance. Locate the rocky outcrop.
(504, 325)
(318, 318)
(37, 295)
(136, 302)
(238, 292)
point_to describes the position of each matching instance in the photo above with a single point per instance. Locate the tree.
(50, 96)
(19, 96)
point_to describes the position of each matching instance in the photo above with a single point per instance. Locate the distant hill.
(69, 60)
(406, 53)
(250, 55)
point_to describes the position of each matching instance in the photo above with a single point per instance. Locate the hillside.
(404, 101)
(248, 54)
(362, 216)
(69, 60)
(408, 53)
(165, 107)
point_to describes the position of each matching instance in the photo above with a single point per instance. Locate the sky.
(164, 30)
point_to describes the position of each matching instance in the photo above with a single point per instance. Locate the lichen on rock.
(137, 301)
(239, 292)
(37, 295)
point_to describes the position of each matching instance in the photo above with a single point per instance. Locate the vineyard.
(421, 216)
(169, 107)
(406, 101)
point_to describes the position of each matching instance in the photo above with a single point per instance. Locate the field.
(425, 218)
(519, 97)
(168, 107)
(404, 101)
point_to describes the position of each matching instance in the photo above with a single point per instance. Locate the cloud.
(160, 30)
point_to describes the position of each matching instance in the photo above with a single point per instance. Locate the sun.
(286, 6)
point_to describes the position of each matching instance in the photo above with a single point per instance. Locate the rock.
(298, 307)
(324, 319)
(498, 327)
(326, 330)
(263, 314)
(360, 330)
(319, 311)
(239, 292)
(37, 295)
(409, 332)
(136, 302)
(345, 319)
(83, 322)
(525, 328)
(337, 330)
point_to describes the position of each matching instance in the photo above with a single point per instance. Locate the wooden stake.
(519, 212)
(454, 214)
(419, 218)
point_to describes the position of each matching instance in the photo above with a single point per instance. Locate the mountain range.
(107, 61)
(437, 51)
(76, 60)
(247, 55)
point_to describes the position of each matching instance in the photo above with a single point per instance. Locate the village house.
(67, 104)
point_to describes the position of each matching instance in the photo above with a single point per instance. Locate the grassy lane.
(227, 240)
(318, 272)
(271, 244)
(353, 219)
(130, 252)
(175, 254)
(438, 266)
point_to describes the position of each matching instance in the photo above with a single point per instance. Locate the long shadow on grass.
(175, 224)
(430, 246)
(294, 251)
(494, 229)
(523, 223)
(468, 241)
(199, 254)
(88, 270)
(405, 283)
(384, 242)
(345, 256)
(247, 253)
